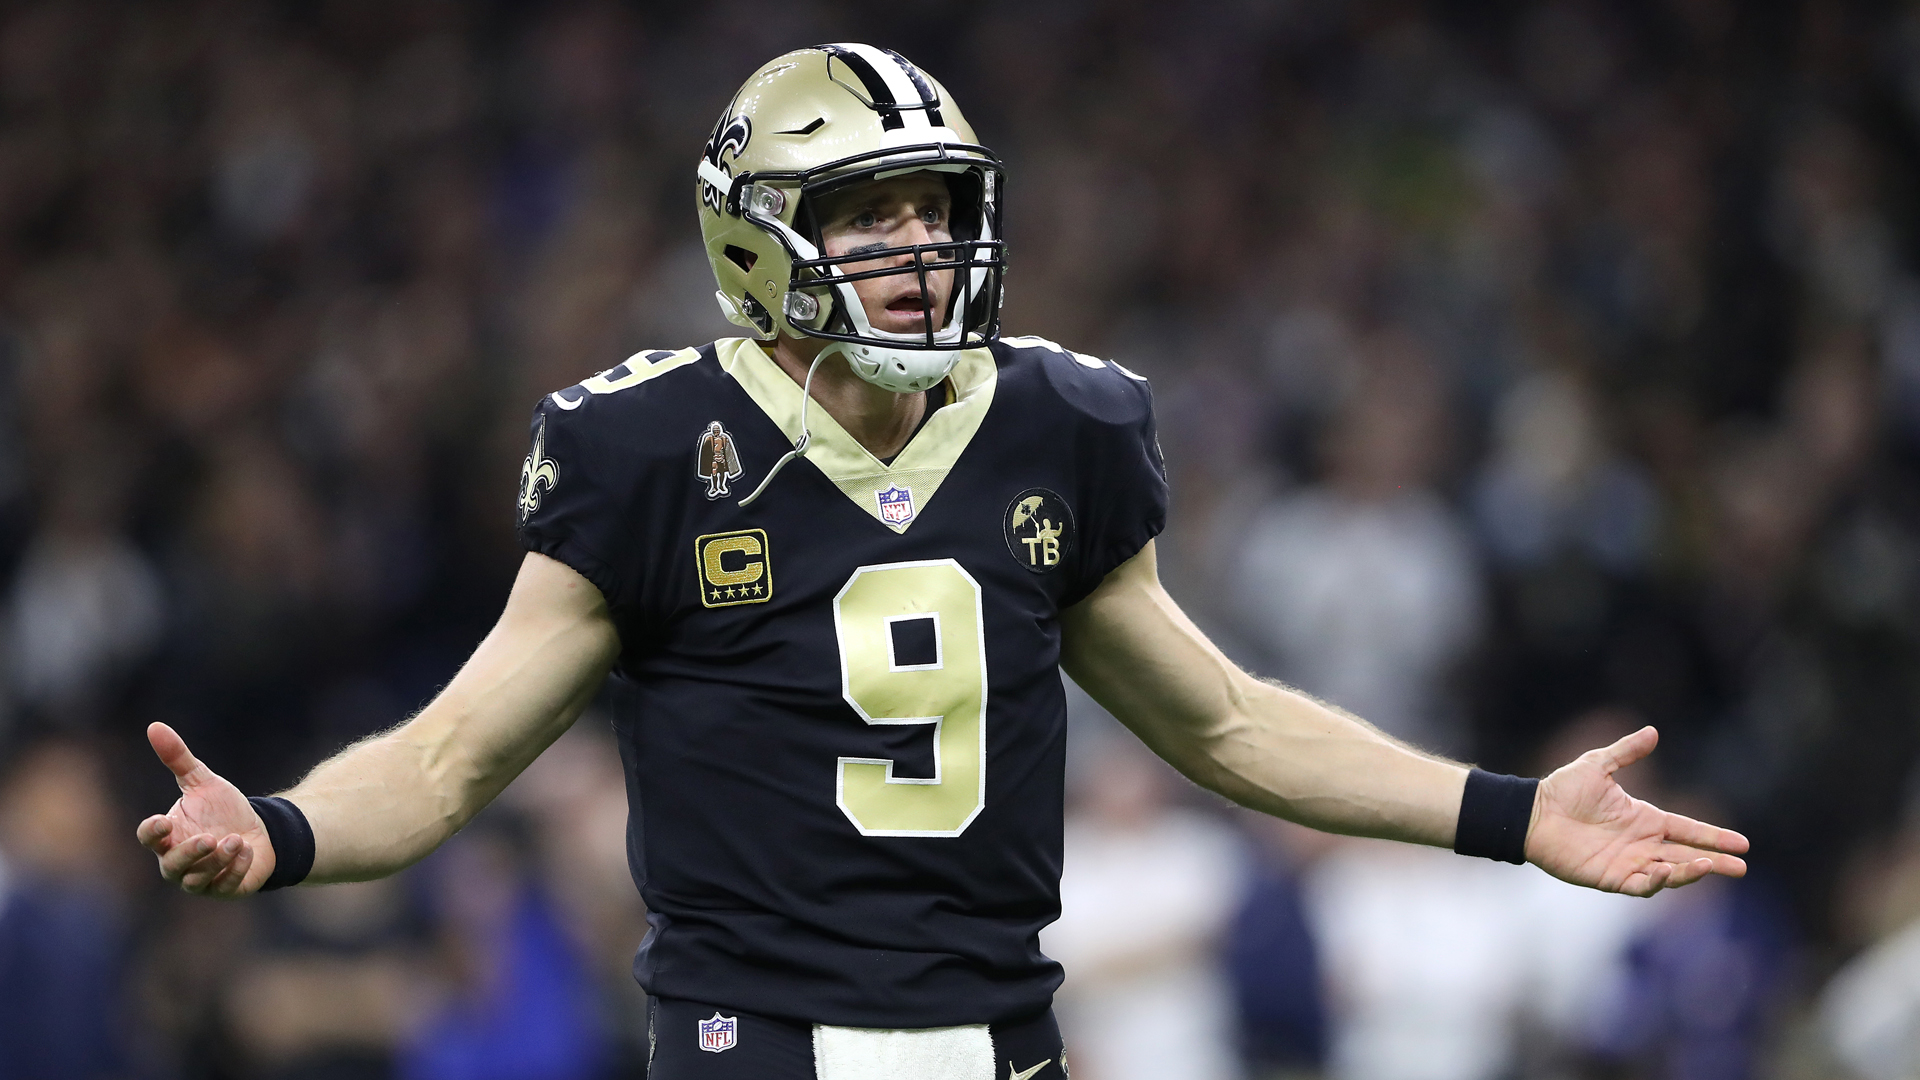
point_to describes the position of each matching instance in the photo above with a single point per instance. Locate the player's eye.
(931, 215)
(865, 219)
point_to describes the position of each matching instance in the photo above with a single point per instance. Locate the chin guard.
(903, 371)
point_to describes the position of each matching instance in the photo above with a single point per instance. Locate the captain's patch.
(735, 568)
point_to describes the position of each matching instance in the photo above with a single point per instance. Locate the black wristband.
(291, 837)
(1495, 812)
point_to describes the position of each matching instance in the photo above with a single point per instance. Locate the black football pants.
(767, 1049)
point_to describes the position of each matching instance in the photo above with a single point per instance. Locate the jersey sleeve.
(571, 508)
(1124, 479)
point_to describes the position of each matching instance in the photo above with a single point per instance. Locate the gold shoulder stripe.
(638, 369)
(1033, 341)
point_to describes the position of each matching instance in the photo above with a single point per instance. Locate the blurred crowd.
(1526, 371)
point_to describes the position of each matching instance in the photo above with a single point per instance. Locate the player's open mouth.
(912, 305)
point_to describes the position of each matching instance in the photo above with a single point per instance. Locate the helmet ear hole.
(740, 257)
(757, 314)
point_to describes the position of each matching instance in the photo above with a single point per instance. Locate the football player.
(840, 562)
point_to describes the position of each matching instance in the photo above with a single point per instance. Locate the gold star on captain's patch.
(716, 594)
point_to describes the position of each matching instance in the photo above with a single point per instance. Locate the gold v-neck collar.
(919, 468)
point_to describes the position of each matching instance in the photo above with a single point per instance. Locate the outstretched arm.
(386, 801)
(1274, 749)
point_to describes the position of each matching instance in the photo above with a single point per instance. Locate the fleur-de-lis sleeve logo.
(538, 474)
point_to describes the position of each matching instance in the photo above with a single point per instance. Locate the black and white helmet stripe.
(903, 96)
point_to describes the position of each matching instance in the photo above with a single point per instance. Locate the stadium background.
(1526, 371)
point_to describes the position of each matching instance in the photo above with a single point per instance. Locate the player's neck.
(880, 420)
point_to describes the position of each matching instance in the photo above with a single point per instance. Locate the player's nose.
(913, 230)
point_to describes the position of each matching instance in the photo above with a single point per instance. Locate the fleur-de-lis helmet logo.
(538, 474)
(729, 139)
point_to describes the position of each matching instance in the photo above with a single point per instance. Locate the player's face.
(900, 211)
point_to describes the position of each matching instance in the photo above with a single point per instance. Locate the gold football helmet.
(811, 122)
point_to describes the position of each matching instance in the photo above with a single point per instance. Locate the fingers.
(1649, 881)
(1685, 830)
(167, 743)
(220, 872)
(235, 875)
(1723, 864)
(1678, 870)
(1629, 749)
(201, 860)
(1690, 872)
(182, 856)
(154, 832)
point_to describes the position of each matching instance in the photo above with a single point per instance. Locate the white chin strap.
(903, 371)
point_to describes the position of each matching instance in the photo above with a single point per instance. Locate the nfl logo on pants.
(719, 1033)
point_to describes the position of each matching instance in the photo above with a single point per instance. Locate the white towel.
(955, 1053)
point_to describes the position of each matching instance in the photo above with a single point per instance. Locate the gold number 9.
(950, 693)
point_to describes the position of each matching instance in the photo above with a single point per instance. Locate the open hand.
(211, 842)
(1587, 830)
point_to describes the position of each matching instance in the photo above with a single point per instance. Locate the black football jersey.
(840, 706)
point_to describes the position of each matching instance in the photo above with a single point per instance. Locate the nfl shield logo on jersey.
(719, 1033)
(896, 505)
